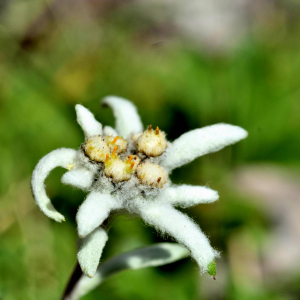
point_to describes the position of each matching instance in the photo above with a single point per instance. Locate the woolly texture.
(167, 219)
(120, 143)
(93, 211)
(136, 180)
(188, 195)
(87, 121)
(135, 159)
(199, 142)
(62, 157)
(82, 179)
(152, 174)
(90, 250)
(127, 119)
(109, 131)
(117, 170)
(96, 148)
(135, 136)
(152, 142)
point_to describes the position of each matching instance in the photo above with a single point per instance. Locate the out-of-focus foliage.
(46, 67)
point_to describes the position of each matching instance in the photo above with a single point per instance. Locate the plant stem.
(77, 273)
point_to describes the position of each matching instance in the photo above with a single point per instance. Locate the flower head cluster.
(128, 168)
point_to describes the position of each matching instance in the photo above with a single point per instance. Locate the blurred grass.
(174, 86)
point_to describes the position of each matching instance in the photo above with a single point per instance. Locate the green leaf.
(151, 256)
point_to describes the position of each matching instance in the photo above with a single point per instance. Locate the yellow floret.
(117, 141)
(152, 142)
(118, 169)
(152, 174)
(96, 148)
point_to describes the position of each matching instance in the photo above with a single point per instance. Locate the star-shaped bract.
(135, 180)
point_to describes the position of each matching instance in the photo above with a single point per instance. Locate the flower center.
(121, 159)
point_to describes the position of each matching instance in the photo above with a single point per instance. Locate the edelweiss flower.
(128, 168)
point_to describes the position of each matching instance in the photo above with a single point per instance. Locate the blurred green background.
(54, 54)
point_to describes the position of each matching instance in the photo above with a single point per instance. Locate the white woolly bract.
(167, 219)
(90, 250)
(87, 121)
(152, 144)
(152, 174)
(82, 161)
(62, 157)
(127, 119)
(82, 178)
(201, 141)
(107, 130)
(93, 211)
(96, 148)
(188, 195)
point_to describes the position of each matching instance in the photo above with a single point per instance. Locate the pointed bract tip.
(215, 195)
(212, 269)
(104, 102)
(81, 109)
(78, 106)
(57, 217)
(243, 132)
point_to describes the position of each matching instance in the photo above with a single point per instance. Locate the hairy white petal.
(82, 178)
(87, 121)
(93, 211)
(62, 157)
(168, 220)
(154, 255)
(107, 130)
(90, 250)
(188, 195)
(199, 142)
(127, 119)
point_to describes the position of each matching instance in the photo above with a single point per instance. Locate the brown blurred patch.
(85, 11)
(277, 191)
